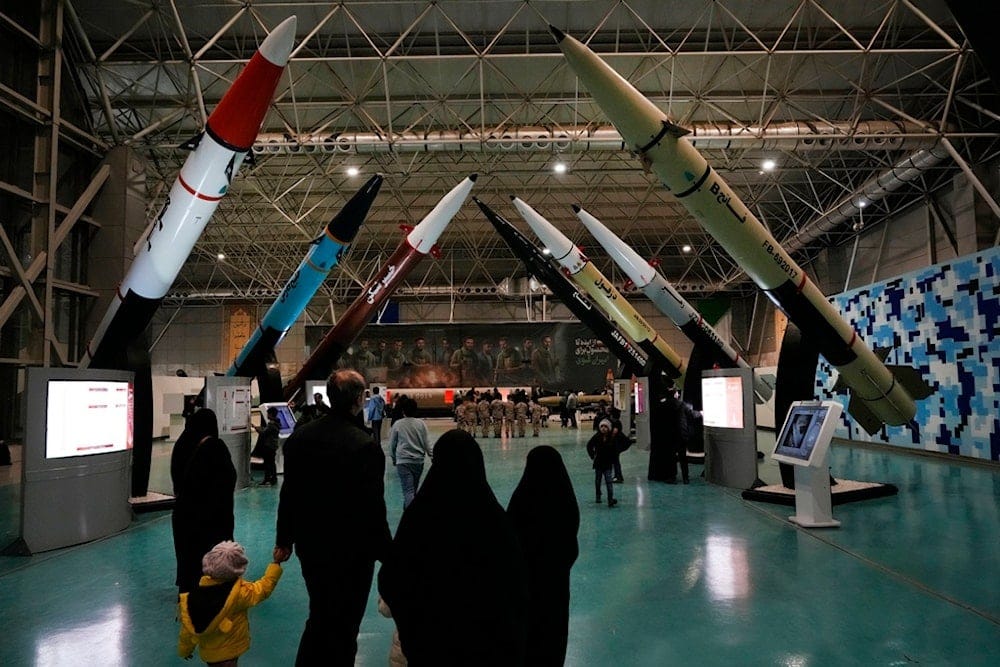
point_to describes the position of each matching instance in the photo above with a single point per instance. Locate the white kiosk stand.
(804, 442)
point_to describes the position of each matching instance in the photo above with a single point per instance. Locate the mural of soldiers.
(521, 414)
(465, 361)
(394, 358)
(508, 360)
(419, 356)
(535, 410)
(484, 415)
(545, 364)
(486, 361)
(381, 352)
(443, 353)
(364, 358)
(496, 414)
(508, 417)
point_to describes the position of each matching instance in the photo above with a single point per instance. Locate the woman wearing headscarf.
(546, 518)
(454, 578)
(204, 480)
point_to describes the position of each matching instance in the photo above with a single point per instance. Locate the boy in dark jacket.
(602, 449)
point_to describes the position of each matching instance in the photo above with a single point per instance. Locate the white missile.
(203, 181)
(587, 276)
(668, 300)
(878, 395)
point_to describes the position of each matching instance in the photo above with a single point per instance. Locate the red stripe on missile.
(803, 282)
(237, 119)
(854, 337)
(180, 179)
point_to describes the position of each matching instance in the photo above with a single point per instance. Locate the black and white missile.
(202, 182)
(668, 300)
(588, 277)
(634, 361)
(878, 395)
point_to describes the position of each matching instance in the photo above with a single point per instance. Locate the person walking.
(601, 448)
(337, 530)
(454, 577)
(267, 446)
(408, 447)
(376, 413)
(546, 518)
(204, 481)
(214, 616)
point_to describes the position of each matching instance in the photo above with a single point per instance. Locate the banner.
(553, 356)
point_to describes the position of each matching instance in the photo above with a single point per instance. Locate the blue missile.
(324, 253)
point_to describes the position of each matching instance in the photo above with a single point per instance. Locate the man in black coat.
(337, 529)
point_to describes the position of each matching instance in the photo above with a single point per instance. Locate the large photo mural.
(943, 320)
(554, 356)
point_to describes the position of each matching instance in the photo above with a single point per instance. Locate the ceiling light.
(768, 165)
(560, 167)
(221, 256)
(685, 248)
(353, 171)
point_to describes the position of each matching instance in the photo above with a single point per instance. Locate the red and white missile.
(588, 277)
(668, 300)
(203, 181)
(419, 242)
(878, 395)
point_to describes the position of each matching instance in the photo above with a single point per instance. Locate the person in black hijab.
(204, 481)
(546, 518)
(454, 579)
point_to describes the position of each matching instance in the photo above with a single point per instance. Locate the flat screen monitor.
(806, 433)
(722, 401)
(286, 420)
(87, 417)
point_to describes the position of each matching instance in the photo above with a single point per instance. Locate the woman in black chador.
(454, 578)
(204, 481)
(546, 518)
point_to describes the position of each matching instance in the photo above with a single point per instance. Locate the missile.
(668, 300)
(324, 253)
(586, 276)
(202, 182)
(418, 243)
(878, 395)
(541, 268)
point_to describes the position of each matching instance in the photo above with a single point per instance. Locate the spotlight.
(560, 167)
(768, 165)
(685, 248)
(221, 256)
(353, 171)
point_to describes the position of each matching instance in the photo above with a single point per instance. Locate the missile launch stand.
(812, 497)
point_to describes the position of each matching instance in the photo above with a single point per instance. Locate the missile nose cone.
(423, 237)
(513, 198)
(576, 208)
(277, 46)
(557, 33)
(473, 177)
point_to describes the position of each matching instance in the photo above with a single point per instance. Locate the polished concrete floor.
(675, 575)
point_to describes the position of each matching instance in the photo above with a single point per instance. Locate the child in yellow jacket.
(214, 615)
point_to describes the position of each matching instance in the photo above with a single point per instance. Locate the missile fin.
(912, 381)
(840, 385)
(863, 415)
(882, 352)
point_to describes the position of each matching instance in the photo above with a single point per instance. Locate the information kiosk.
(286, 424)
(804, 442)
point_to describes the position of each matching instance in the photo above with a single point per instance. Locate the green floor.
(676, 575)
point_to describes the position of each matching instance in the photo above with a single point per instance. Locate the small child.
(214, 615)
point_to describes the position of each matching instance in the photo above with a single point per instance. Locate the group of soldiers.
(485, 413)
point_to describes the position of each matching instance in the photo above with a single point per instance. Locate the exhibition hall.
(499, 332)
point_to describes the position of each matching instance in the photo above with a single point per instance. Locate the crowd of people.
(454, 539)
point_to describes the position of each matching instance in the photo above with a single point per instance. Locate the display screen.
(722, 401)
(286, 420)
(801, 430)
(313, 388)
(85, 417)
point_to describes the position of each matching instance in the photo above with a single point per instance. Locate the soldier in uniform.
(470, 414)
(508, 417)
(508, 361)
(419, 356)
(460, 414)
(496, 414)
(535, 410)
(545, 416)
(465, 361)
(545, 363)
(521, 413)
(484, 415)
